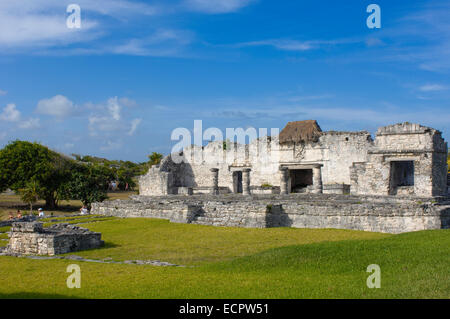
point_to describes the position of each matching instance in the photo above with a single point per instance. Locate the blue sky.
(136, 70)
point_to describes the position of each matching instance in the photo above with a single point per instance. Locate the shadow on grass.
(34, 295)
(107, 245)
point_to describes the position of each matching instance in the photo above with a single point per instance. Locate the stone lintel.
(301, 166)
(238, 168)
(399, 159)
(394, 152)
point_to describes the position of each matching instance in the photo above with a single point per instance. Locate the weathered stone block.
(33, 239)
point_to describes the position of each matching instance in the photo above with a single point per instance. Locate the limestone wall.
(403, 142)
(336, 151)
(369, 213)
(342, 158)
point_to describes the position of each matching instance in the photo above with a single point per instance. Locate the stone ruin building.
(404, 159)
(303, 177)
(30, 238)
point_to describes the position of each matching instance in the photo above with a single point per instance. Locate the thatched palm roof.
(300, 132)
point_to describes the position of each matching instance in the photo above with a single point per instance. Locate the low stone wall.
(30, 238)
(336, 189)
(259, 190)
(377, 217)
(370, 213)
(26, 218)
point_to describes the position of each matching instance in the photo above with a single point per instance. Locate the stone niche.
(31, 238)
(336, 189)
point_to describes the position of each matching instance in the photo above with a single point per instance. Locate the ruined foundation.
(304, 178)
(32, 239)
(369, 213)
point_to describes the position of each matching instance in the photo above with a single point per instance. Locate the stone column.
(317, 180)
(215, 181)
(284, 181)
(246, 181)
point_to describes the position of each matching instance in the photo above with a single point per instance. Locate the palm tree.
(154, 158)
(30, 194)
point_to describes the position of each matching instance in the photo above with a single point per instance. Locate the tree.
(87, 183)
(154, 159)
(30, 194)
(125, 176)
(22, 162)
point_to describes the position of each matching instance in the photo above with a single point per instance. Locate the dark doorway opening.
(402, 174)
(237, 182)
(300, 180)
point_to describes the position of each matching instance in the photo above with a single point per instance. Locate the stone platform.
(30, 238)
(389, 214)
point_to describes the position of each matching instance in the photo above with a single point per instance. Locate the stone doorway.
(237, 182)
(401, 177)
(300, 179)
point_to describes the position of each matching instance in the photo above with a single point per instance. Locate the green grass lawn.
(189, 244)
(240, 263)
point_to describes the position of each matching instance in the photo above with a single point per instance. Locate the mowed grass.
(188, 244)
(11, 203)
(240, 263)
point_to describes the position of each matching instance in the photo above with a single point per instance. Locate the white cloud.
(295, 45)
(288, 45)
(216, 6)
(114, 108)
(26, 29)
(10, 113)
(120, 8)
(134, 125)
(111, 146)
(107, 118)
(42, 23)
(2, 92)
(110, 122)
(58, 106)
(432, 88)
(127, 102)
(338, 115)
(163, 42)
(30, 123)
(99, 124)
(281, 107)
